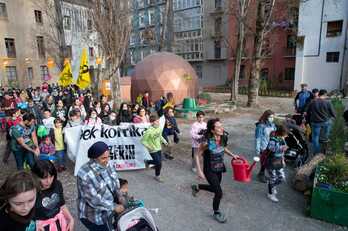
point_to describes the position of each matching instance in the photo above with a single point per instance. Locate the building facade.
(23, 56)
(215, 48)
(278, 63)
(147, 28)
(79, 34)
(188, 32)
(28, 39)
(322, 60)
(200, 33)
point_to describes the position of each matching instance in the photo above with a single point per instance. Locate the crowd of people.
(33, 119)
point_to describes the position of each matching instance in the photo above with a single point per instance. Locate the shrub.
(334, 171)
(205, 95)
(338, 134)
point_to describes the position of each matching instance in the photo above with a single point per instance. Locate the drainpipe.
(342, 85)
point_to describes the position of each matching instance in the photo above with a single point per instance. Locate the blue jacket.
(262, 136)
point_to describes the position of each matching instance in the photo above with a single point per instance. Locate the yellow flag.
(84, 79)
(66, 77)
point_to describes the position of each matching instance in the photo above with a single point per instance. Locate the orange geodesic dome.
(164, 72)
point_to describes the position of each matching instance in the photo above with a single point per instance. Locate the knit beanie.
(97, 149)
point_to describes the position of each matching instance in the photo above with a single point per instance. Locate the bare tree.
(112, 22)
(259, 32)
(53, 30)
(239, 11)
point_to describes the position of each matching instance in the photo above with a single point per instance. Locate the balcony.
(217, 11)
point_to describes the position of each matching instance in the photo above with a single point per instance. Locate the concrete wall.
(311, 65)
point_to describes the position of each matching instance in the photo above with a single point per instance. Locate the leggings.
(214, 180)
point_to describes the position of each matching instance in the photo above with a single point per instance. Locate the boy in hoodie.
(152, 140)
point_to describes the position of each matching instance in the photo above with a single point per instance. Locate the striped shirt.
(96, 187)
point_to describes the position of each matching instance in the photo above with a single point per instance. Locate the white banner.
(126, 150)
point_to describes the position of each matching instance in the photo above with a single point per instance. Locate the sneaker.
(159, 179)
(219, 217)
(146, 164)
(195, 189)
(169, 156)
(272, 197)
(274, 191)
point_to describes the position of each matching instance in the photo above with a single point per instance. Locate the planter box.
(329, 205)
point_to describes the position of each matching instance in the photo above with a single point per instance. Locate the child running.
(275, 162)
(196, 135)
(152, 140)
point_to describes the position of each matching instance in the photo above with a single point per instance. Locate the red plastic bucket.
(240, 168)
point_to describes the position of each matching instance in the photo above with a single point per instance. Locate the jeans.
(93, 227)
(157, 161)
(22, 156)
(47, 157)
(317, 131)
(60, 155)
(214, 180)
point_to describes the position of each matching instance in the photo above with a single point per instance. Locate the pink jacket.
(195, 129)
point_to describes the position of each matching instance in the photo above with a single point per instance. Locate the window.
(3, 10)
(334, 28)
(91, 52)
(68, 50)
(291, 41)
(67, 22)
(89, 25)
(289, 73)
(264, 74)
(38, 16)
(30, 74)
(217, 49)
(332, 57)
(10, 47)
(44, 72)
(242, 72)
(218, 22)
(40, 46)
(217, 3)
(11, 73)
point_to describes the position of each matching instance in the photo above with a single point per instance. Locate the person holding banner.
(98, 186)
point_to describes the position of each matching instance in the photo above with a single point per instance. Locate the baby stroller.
(298, 148)
(136, 219)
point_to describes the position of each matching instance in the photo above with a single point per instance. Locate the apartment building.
(188, 32)
(23, 57)
(147, 28)
(279, 49)
(322, 60)
(28, 40)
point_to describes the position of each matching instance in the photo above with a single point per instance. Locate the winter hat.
(97, 149)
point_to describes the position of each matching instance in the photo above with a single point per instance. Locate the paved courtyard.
(245, 205)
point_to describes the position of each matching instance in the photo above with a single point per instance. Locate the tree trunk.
(253, 88)
(114, 77)
(60, 34)
(239, 53)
